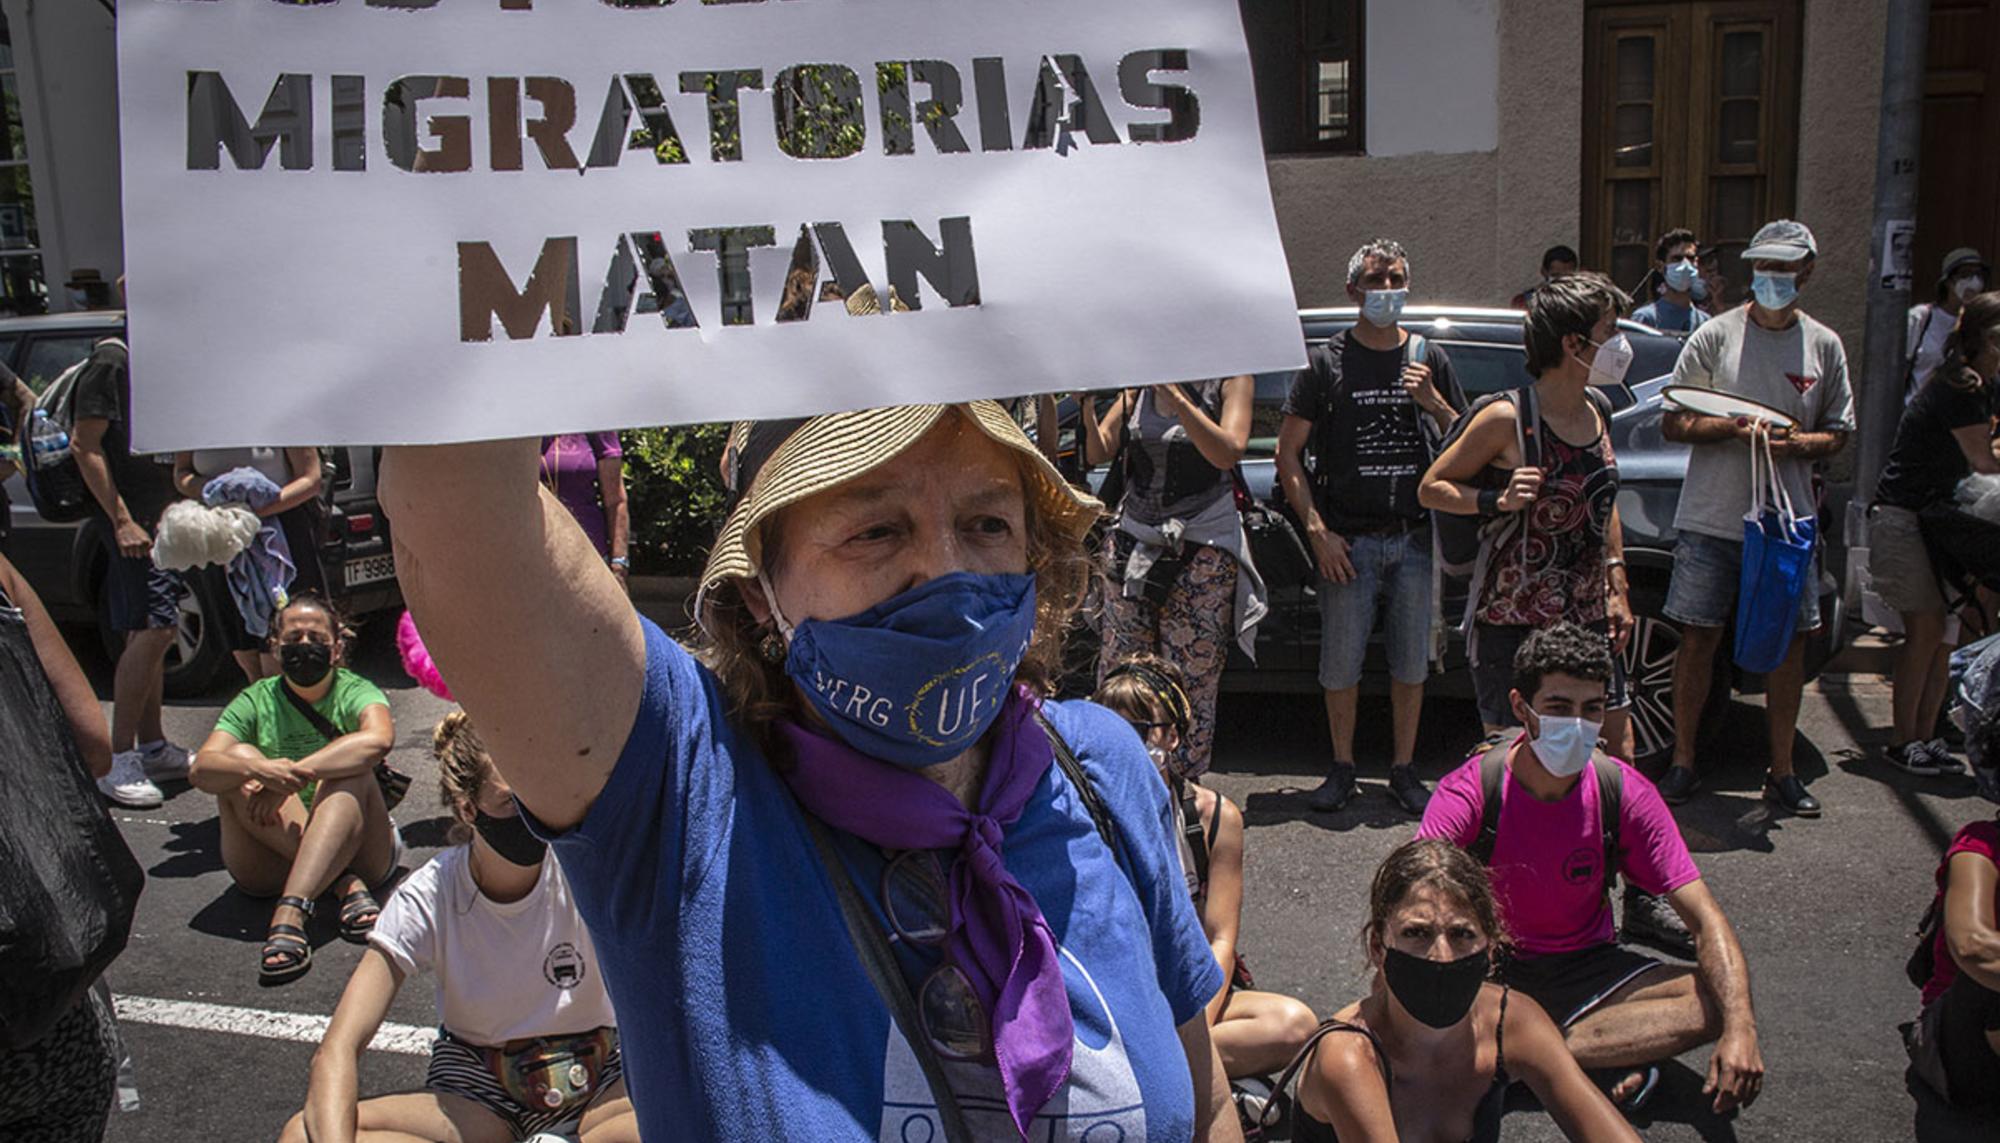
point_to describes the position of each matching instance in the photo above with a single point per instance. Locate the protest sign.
(409, 221)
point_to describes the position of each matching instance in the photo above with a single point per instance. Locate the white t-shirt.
(1800, 370)
(1934, 325)
(504, 972)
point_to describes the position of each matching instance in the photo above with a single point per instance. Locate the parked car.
(1486, 351)
(66, 562)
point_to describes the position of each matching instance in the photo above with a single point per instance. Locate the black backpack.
(1610, 803)
(1321, 447)
(49, 467)
(68, 883)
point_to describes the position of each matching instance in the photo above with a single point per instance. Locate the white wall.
(66, 60)
(1433, 74)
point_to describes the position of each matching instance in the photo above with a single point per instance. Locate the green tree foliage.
(674, 484)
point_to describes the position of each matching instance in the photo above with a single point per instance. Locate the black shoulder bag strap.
(1191, 829)
(872, 948)
(1910, 359)
(1610, 807)
(1288, 1077)
(319, 721)
(1100, 814)
(1492, 772)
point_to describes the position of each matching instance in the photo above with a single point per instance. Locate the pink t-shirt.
(1548, 861)
(1982, 838)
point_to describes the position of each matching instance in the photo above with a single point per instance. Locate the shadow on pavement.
(426, 833)
(196, 849)
(237, 916)
(1370, 809)
(1940, 1122)
(1680, 1100)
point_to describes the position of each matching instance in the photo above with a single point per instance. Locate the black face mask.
(305, 663)
(510, 838)
(1439, 993)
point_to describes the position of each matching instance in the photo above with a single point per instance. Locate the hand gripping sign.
(411, 221)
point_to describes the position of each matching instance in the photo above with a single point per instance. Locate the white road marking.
(407, 1039)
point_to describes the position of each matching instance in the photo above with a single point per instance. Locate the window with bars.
(23, 290)
(1307, 57)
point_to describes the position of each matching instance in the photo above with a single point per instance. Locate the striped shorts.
(459, 1069)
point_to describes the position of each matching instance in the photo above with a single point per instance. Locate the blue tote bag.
(1777, 565)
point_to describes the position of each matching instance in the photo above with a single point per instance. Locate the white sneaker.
(169, 761)
(127, 783)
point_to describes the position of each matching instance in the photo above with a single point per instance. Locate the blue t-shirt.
(743, 1010)
(1667, 317)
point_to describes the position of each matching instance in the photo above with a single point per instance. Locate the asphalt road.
(1824, 910)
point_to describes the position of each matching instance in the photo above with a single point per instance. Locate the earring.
(772, 647)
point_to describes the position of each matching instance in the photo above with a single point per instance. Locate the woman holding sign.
(849, 875)
(1182, 584)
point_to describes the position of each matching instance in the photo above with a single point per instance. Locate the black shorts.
(142, 596)
(1964, 1015)
(1569, 986)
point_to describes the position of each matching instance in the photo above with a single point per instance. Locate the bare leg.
(1340, 708)
(132, 684)
(1783, 688)
(258, 855)
(349, 829)
(150, 728)
(1618, 733)
(416, 1117)
(610, 1118)
(1659, 1016)
(1406, 702)
(1694, 672)
(1923, 637)
(250, 663)
(1934, 692)
(1259, 1032)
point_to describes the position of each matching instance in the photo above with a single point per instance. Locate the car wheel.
(1649, 658)
(198, 650)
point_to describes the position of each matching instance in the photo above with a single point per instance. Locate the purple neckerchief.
(997, 936)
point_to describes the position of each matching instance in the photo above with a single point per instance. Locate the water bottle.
(47, 441)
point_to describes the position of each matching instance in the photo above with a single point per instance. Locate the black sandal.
(352, 928)
(288, 945)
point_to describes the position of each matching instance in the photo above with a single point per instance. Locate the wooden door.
(1958, 201)
(1690, 119)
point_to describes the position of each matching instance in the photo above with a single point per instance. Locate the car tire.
(198, 651)
(1649, 659)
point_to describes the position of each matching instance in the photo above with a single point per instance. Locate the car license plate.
(371, 570)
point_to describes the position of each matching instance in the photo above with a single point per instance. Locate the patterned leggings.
(59, 1089)
(1192, 630)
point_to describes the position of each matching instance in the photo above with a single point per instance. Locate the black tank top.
(1485, 1120)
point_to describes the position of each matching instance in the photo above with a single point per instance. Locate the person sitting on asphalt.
(527, 1040)
(1436, 1043)
(1534, 808)
(855, 798)
(1256, 1033)
(1956, 1041)
(291, 763)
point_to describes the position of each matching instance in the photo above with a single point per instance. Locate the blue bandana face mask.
(917, 678)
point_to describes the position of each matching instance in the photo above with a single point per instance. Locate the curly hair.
(1387, 249)
(463, 766)
(1431, 863)
(729, 641)
(1563, 649)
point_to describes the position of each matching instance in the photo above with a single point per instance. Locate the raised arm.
(1223, 441)
(1100, 438)
(531, 629)
(1736, 1068)
(72, 689)
(333, 1095)
(1537, 1055)
(617, 512)
(303, 464)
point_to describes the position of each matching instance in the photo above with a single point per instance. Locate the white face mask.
(1564, 745)
(1969, 288)
(1613, 361)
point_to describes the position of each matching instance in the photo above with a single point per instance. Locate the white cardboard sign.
(410, 221)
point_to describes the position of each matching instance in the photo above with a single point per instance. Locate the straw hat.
(779, 463)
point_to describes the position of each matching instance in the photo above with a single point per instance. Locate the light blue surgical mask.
(1774, 291)
(1680, 275)
(1700, 290)
(1563, 745)
(1384, 308)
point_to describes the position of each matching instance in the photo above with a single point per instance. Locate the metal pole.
(1897, 140)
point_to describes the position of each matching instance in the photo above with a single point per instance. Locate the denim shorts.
(1493, 649)
(1707, 570)
(1392, 570)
